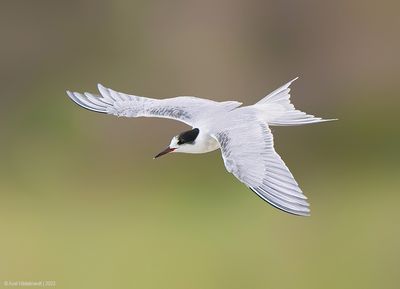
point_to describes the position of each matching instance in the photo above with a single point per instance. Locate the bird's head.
(181, 143)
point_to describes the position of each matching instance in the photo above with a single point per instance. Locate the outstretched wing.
(248, 151)
(187, 109)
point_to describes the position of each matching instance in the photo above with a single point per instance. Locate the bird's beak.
(167, 150)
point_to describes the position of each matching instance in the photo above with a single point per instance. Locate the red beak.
(167, 150)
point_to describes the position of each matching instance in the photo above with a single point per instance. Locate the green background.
(83, 203)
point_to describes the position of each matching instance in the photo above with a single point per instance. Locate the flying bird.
(241, 132)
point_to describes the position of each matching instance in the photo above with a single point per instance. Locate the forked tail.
(277, 109)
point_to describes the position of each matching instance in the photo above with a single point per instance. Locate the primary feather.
(249, 154)
(188, 109)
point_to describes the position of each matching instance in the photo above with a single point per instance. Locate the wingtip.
(104, 91)
(100, 86)
(71, 95)
(303, 212)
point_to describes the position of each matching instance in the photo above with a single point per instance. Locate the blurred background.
(83, 203)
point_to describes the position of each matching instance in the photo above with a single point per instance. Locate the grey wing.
(187, 109)
(249, 154)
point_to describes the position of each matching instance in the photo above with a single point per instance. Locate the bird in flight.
(241, 132)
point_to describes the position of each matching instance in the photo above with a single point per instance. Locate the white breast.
(204, 143)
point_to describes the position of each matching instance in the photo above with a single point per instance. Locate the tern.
(242, 134)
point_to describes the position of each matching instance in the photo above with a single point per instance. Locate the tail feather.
(277, 109)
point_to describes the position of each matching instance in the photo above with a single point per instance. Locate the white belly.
(206, 144)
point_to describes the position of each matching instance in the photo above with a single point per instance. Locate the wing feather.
(187, 109)
(250, 156)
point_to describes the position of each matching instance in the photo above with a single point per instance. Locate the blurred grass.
(83, 203)
(160, 237)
